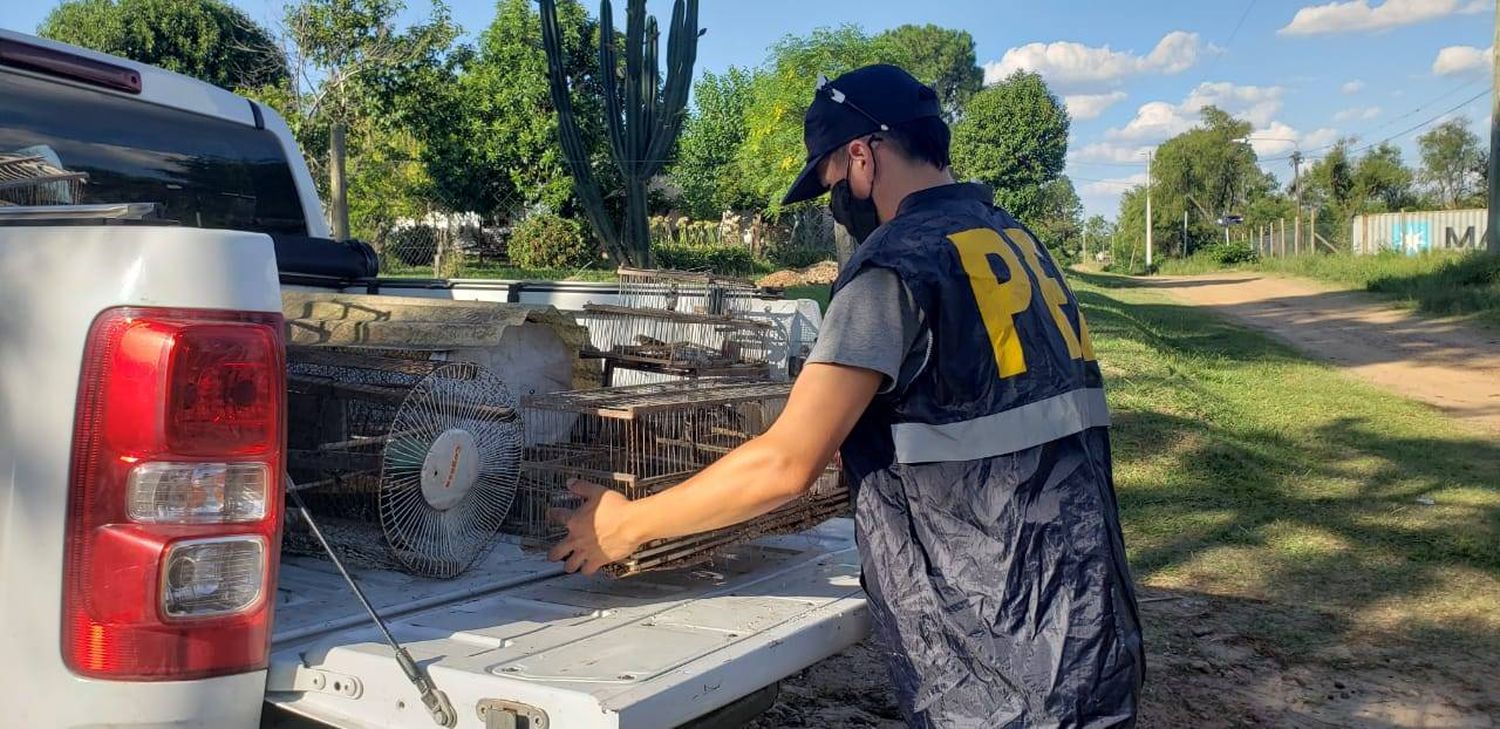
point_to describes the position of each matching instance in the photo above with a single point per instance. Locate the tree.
(939, 57)
(354, 65)
(498, 152)
(706, 151)
(1382, 182)
(1014, 137)
(206, 39)
(778, 92)
(778, 95)
(1202, 175)
(1060, 220)
(1097, 233)
(1329, 182)
(1127, 248)
(1453, 163)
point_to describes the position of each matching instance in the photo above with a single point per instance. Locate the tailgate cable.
(433, 698)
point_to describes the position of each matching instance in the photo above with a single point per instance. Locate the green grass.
(1434, 283)
(819, 293)
(1248, 471)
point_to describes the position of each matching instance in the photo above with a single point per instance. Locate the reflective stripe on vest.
(1005, 432)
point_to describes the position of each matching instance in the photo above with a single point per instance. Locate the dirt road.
(1445, 363)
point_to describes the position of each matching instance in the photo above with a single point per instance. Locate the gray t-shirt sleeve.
(874, 323)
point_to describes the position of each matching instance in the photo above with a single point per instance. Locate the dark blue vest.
(984, 497)
(1010, 363)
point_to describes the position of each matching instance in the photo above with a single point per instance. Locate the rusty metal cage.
(681, 324)
(677, 343)
(686, 292)
(407, 461)
(642, 439)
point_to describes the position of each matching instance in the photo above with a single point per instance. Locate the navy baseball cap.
(864, 101)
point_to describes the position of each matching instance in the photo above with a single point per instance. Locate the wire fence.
(447, 244)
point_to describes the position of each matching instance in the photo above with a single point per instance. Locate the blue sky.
(1133, 73)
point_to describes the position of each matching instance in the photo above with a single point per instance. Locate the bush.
(545, 240)
(724, 260)
(1229, 254)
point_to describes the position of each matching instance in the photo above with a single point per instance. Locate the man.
(955, 370)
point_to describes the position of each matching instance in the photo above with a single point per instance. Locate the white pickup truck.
(165, 279)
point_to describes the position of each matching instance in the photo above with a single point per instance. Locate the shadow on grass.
(1118, 281)
(1321, 514)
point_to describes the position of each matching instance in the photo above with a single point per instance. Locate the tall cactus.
(643, 114)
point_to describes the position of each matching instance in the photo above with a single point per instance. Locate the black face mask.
(858, 216)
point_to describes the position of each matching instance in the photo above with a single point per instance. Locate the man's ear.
(859, 151)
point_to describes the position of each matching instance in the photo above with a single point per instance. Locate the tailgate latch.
(502, 714)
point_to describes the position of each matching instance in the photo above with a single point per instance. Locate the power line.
(1409, 130)
(1430, 120)
(1393, 120)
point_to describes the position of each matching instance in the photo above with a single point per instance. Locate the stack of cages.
(677, 325)
(642, 439)
(407, 461)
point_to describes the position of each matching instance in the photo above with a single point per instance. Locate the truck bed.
(652, 651)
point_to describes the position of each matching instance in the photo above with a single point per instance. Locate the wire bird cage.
(685, 291)
(642, 439)
(681, 324)
(670, 342)
(30, 180)
(408, 462)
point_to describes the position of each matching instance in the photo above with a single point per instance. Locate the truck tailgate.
(653, 651)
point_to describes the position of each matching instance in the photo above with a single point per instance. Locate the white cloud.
(1101, 195)
(1072, 65)
(1256, 104)
(1354, 113)
(1321, 137)
(1112, 187)
(1350, 16)
(1157, 120)
(1279, 139)
(1352, 87)
(1154, 121)
(1110, 152)
(1457, 60)
(1090, 106)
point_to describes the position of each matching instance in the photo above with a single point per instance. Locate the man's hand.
(599, 532)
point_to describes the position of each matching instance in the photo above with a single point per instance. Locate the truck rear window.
(203, 172)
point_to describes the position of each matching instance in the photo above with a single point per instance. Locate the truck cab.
(131, 602)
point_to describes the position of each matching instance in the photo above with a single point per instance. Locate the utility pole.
(337, 191)
(1150, 156)
(1494, 214)
(1184, 231)
(1297, 188)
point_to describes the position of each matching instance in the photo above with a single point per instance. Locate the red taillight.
(174, 502)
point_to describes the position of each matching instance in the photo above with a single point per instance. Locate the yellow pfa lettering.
(1056, 298)
(999, 301)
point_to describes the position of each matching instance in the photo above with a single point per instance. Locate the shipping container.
(1420, 232)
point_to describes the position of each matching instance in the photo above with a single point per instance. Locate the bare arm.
(751, 480)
